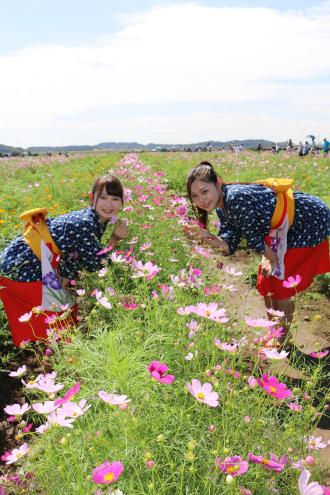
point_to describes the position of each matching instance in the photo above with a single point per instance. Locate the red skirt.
(306, 262)
(19, 298)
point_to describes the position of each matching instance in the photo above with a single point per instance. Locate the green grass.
(111, 350)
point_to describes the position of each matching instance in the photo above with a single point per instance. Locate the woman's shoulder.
(77, 216)
(246, 192)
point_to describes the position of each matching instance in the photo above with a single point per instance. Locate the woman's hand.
(194, 232)
(120, 232)
(65, 282)
(266, 267)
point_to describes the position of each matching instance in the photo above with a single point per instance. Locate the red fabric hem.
(19, 298)
(306, 262)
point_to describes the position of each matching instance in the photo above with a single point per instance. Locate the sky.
(83, 72)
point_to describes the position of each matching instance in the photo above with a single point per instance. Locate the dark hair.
(112, 185)
(205, 172)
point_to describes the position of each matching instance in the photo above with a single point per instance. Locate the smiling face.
(106, 205)
(205, 195)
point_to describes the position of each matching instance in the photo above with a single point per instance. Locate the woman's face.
(107, 205)
(205, 195)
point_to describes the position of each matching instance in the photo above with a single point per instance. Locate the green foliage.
(111, 349)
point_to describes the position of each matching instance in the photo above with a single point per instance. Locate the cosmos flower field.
(161, 388)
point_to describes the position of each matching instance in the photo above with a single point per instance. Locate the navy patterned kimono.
(77, 235)
(250, 207)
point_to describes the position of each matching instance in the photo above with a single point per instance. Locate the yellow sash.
(284, 199)
(36, 230)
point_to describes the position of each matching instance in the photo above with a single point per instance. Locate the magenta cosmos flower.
(157, 370)
(318, 355)
(203, 393)
(232, 465)
(272, 464)
(292, 282)
(273, 387)
(107, 472)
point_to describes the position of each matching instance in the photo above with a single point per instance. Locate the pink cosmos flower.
(46, 383)
(274, 354)
(320, 354)
(46, 408)
(102, 273)
(145, 246)
(16, 454)
(114, 399)
(150, 464)
(26, 317)
(148, 270)
(294, 406)
(19, 372)
(232, 465)
(203, 393)
(292, 282)
(70, 393)
(232, 271)
(16, 409)
(51, 319)
(103, 300)
(274, 333)
(273, 387)
(272, 464)
(233, 347)
(306, 488)
(258, 322)
(245, 491)
(189, 356)
(211, 311)
(315, 443)
(107, 472)
(275, 312)
(105, 250)
(157, 370)
(202, 251)
(211, 291)
(73, 410)
(117, 257)
(252, 382)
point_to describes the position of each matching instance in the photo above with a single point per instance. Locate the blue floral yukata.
(250, 207)
(76, 234)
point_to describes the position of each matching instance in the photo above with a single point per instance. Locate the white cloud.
(169, 54)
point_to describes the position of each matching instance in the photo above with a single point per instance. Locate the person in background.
(325, 147)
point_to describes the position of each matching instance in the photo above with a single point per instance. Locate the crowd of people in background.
(303, 148)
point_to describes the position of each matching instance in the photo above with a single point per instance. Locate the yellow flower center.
(208, 313)
(264, 461)
(272, 389)
(200, 395)
(109, 477)
(233, 469)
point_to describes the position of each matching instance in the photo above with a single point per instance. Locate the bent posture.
(290, 230)
(37, 266)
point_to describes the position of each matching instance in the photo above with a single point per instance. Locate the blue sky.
(82, 72)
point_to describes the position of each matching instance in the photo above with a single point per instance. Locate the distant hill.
(10, 149)
(133, 146)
